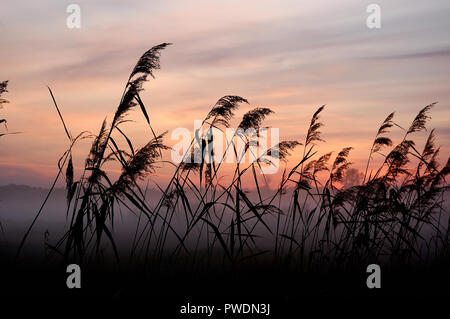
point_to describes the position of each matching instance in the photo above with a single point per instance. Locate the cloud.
(444, 53)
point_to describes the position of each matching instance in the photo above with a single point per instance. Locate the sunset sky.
(292, 56)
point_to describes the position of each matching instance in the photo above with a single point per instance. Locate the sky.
(291, 56)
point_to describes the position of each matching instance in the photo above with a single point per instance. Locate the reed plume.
(282, 150)
(381, 141)
(145, 66)
(3, 89)
(141, 163)
(223, 110)
(313, 130)
(421, 119)
(340, 165)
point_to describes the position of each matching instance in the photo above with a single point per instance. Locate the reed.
(396, 213)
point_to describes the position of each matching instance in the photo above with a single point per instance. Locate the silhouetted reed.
(396, 213)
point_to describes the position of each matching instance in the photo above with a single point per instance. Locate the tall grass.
(395, 214)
